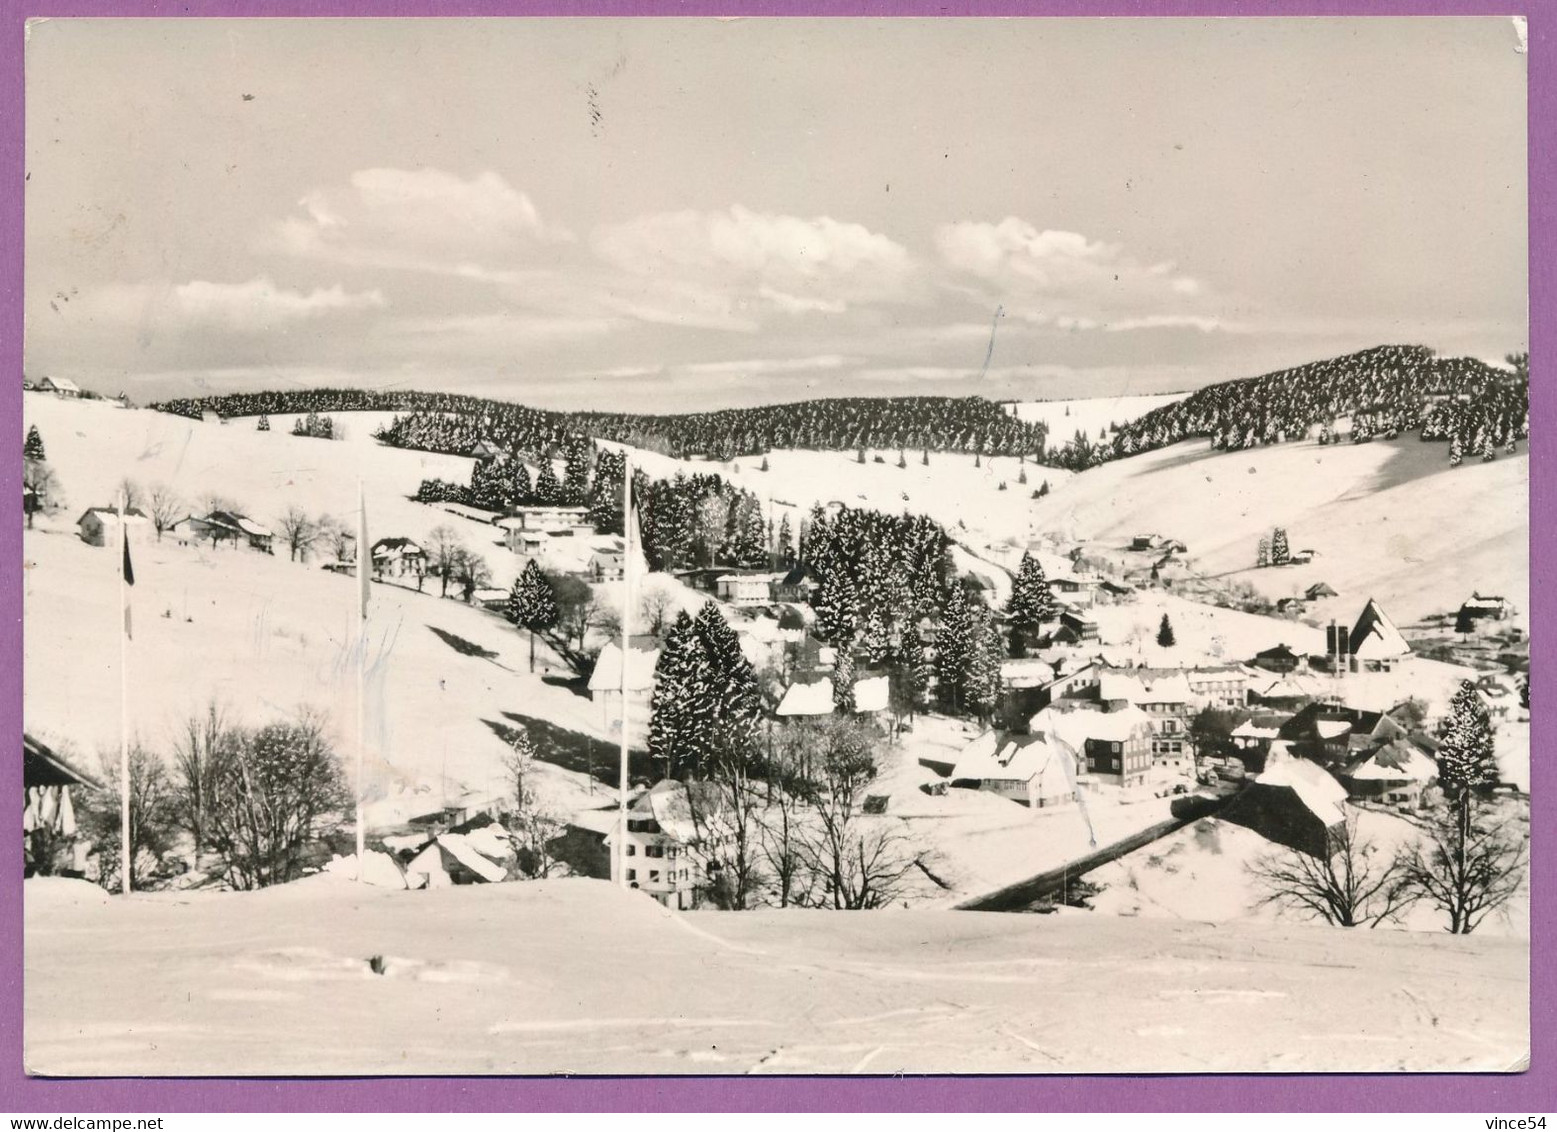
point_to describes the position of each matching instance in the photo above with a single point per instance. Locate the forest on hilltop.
(1477, 408)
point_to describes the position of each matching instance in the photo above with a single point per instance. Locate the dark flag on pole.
(129, 576)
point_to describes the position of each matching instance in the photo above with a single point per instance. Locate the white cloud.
(736, 265)
(1070, 282)
(259, 304)
(252, 307)
(419, 219)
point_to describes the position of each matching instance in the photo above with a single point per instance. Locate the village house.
(522, 542)
(1078, 683)
(547, 520)
(1290, 691)
(812, 695)
(607, 566)
(1113, 747)
(669, 830)
(1318, 591)
(61, 386)
(476, 851)
(1219, 686)
(398, 558)
(1372, 645)
(1398, 774)
(223, 526)
(1075, 589)
(1083, 627)
(49, 842)
(741, 588)
(99, 526)
(1164, 698)
(795, 586)
(1301, 557)
(1278, 659)
(1481, 607)
(605, 682)
(1334, 734)
(1024, 768)
(1292, 802)
(1253, 737)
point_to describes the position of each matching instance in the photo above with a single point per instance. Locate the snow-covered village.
(926, 726)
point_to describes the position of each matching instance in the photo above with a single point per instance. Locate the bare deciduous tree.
(855, 861)
(298, 531)
(337, 537)
(1355, 884)
(443, 550)
(532, 826)
(129, 491)
(656, 609)
(164, 507)
(276, 781)
(1467, 868)
(40, 479)
(198, 751)
(153, 818)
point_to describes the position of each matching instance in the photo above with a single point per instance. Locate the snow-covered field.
(576, 976)
(1388, 519)
(1089, 414)
(1200, 873)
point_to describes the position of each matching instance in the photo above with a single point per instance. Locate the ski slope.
(575, 976)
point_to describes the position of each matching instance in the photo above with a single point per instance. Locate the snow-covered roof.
(1021, 758)
(1073, 728)
(815, 698)
(1398, 762)
(1173, 689)
(62, 383)
(109, 517)
(1375, 637)
(1249, 730)
(871, 693)
(250, 527)
(1314, 786)
(1026, 672)
(461, 848)
(607, 675)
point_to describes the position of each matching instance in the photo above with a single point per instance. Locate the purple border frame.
(1534, 1091)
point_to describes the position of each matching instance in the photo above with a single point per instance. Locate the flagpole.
(362, 665)
(627, 597)
(125, 859)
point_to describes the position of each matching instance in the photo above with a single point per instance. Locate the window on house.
(632, 874)
(653, 851)
(632, 850)
(654, 874)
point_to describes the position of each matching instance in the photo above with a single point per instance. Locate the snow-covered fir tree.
(532, 604)
(1465, 751)
(954, 649)
(1280, 553)
(32, 447)
(1031, 601)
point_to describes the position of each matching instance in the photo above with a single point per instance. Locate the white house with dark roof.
(1024, 768)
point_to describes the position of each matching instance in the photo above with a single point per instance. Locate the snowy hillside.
(1388, 519)
(1090, 415)
(575, 976)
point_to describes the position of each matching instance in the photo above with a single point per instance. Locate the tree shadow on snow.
(462, 646)
(572, 750)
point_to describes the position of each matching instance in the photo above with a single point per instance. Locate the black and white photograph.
(814, 546)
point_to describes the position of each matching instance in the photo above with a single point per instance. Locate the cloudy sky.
(679, 214)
